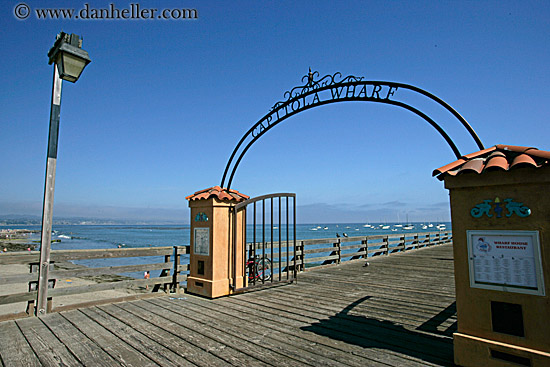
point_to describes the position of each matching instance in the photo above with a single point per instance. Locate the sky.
(157, 113)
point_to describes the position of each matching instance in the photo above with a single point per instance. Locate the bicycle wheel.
(263, 269)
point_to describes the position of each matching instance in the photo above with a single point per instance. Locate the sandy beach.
(19, 241)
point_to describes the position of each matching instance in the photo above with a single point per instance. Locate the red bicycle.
(259, 269)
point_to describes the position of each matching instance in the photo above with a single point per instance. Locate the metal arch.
(396, 103)
(328, 82)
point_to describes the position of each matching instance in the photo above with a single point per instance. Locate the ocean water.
(74, 237)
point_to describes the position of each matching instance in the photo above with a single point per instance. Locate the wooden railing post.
(175, 274)
(163, 273)
(302, 256)
(33, 286)
(366, 243)
(387, 245)
(336, 245)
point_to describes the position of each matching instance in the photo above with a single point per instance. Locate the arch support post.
(213, 242)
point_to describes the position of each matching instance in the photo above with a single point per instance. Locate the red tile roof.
(218, 192)
(499, 157)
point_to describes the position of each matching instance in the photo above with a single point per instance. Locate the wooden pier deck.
(399, 311)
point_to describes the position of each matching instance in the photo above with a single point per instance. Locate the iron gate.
(271, 256)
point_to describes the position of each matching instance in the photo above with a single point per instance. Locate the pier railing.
(164, 264)
(330, 251)
(168, 267)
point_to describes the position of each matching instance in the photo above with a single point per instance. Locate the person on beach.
(146, 275)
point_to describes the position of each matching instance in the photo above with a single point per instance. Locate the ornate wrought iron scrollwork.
(313, 85)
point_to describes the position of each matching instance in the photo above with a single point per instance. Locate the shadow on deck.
(369, 332)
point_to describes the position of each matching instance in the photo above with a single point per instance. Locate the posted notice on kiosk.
(507, 260)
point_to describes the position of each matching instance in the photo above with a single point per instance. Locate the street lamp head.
(69, 57)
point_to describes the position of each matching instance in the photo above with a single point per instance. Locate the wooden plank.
(49, 350)
(128, 298)
(394, 334)
(264, 336)
(17, 297)
(19, 278)
(368, 332)
(194, 333)
(356, 246)
(328, 348)
(236, 340)
(147, 325)
(65, 255)
(123, 284)
(336, 339)
(317, 250)
(308, 260)
(87, 352)
(150, 348)
(26, 257)
(327, 302)
(352, 254)
(14, 348)
(110, 343)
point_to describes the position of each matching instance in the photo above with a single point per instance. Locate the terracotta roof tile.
(499, 157)
(523, 159)
(495, 161)
(476, 165)
(480, 153)
(218, 192)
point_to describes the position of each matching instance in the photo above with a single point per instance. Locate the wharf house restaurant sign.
(505, 260)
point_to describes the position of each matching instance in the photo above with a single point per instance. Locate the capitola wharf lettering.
(319, 94)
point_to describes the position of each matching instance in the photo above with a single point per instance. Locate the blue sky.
(157, 113)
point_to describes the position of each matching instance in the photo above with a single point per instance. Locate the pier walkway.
(399, 311)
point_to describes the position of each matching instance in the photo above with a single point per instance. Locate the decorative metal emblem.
(201, 217)
(334, 88)
(496, 206)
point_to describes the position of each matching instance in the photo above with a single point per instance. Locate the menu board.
(505, 260)
(202, 241)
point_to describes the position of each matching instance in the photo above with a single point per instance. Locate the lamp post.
(69, 60)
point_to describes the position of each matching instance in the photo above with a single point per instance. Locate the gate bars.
(263, 259)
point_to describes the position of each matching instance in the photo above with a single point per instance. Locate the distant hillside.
(29, 220)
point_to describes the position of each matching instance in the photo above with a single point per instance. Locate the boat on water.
(325, 228)
(409, 225)
(424, 227)
(385, 227)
